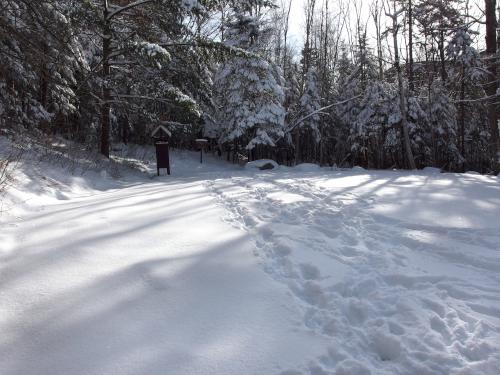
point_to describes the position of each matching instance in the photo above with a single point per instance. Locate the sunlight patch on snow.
(444, 196)
(344, 181)
(442, 182)
(487, 206)
(430, 216)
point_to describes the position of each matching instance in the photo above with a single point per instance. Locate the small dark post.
(202, 144)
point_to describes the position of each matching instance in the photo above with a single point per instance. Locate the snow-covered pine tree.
(39, 60)
(310, 103)
(249, 93)
(373, 134)
(418, 129)
(443, 126)
(435, 19)
(347, 92)
(467, 74)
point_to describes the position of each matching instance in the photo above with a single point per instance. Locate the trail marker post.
(202, 145)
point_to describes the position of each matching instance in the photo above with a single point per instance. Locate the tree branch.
(127, 7)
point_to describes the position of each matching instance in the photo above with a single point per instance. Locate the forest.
(381, 84)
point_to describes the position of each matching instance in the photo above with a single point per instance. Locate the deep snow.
(400, 271)
(219, 269)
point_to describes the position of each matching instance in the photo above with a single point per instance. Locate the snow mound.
(431, 170)
(262, 164)
(357, 168)
(307, 167)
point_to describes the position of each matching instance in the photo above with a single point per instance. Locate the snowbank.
(307, 167)
(357, 168)
(262, 164)
(431, 170)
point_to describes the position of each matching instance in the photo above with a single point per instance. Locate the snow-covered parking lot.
(232, 271)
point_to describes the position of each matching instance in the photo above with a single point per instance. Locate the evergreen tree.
(40, 60)
(443, 123)
(310, 103)
(466, 73)
(249, 93)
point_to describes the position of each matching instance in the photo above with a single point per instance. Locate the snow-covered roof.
(162, 128)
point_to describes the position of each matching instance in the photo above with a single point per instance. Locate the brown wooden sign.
(162, 156)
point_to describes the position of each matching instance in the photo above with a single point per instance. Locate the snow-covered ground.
(218, 269)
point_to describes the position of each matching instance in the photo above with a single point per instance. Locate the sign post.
(162, 156)
(202, 144)
(161, 146)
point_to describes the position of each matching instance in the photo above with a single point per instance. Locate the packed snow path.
(140, 280)
(314, 272)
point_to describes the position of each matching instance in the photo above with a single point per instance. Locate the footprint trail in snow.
(391, 294)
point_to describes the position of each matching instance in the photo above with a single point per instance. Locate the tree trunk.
(376, 19)
(106, 92)
(462, 113)
(309, 9)
(297, 146)
(410, 46)
(444, 76)
(285, 34)
(492, 86)
(402, 96)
